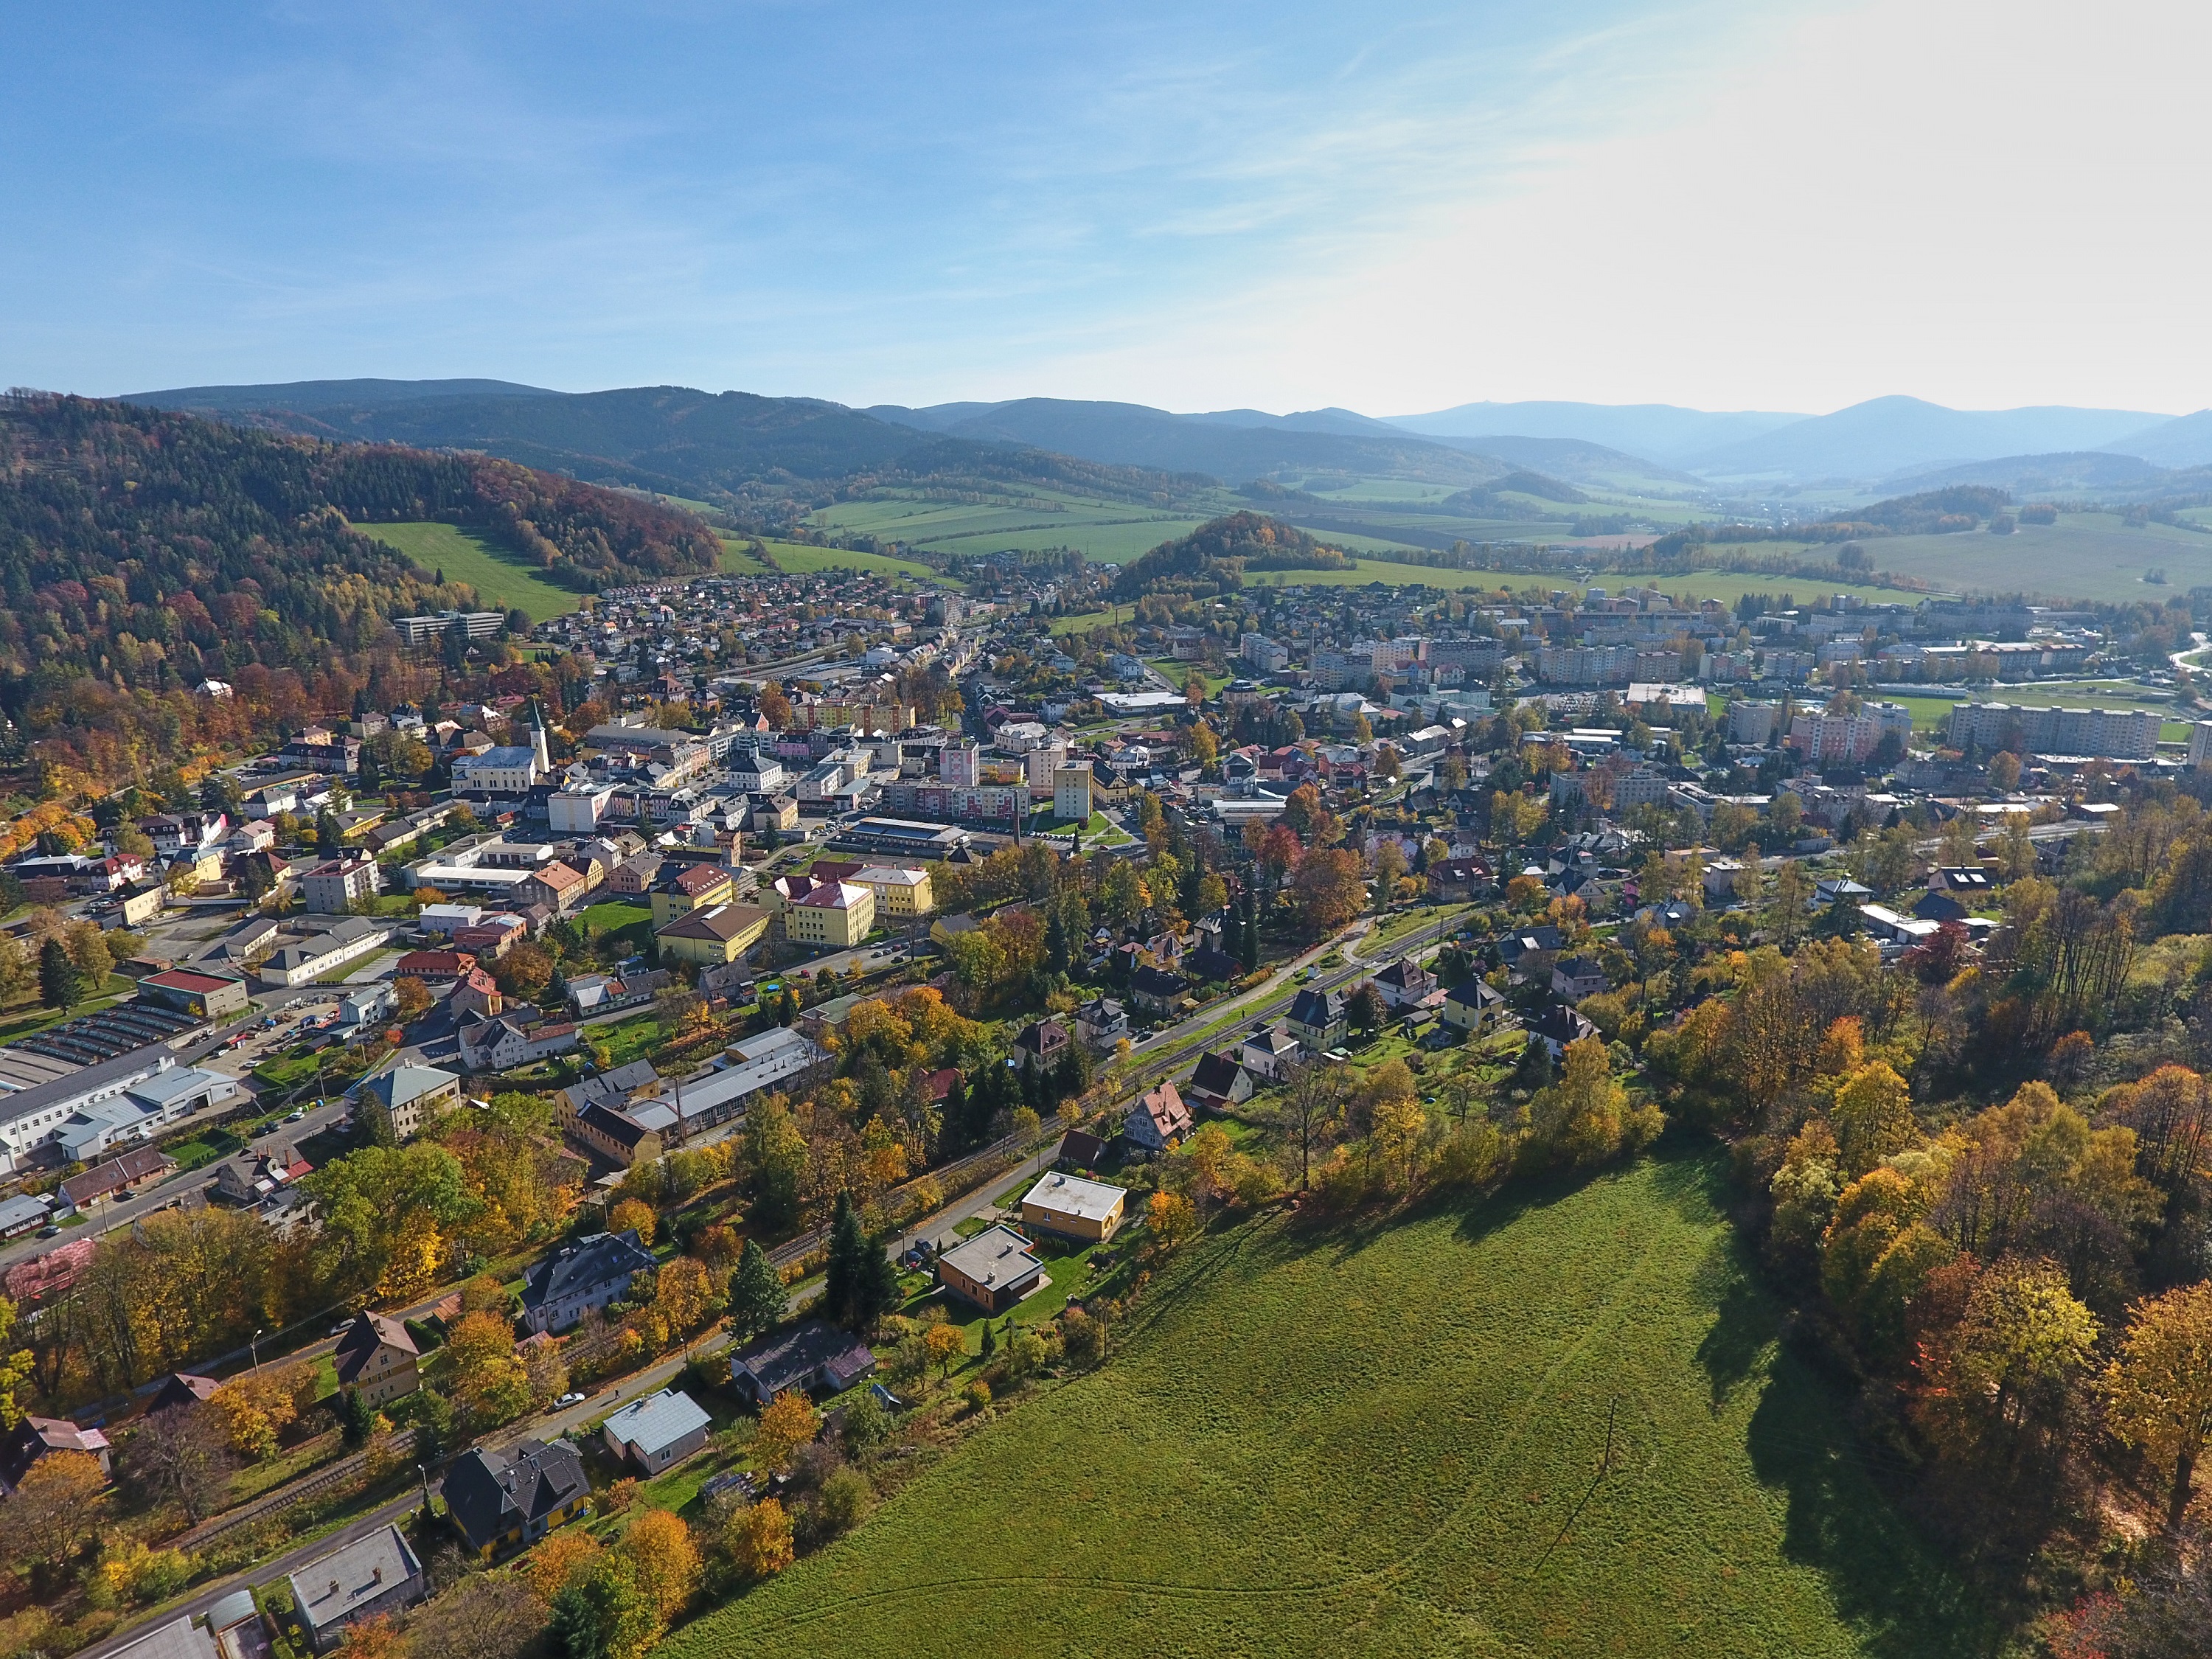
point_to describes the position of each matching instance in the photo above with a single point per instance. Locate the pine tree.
(842, 1286)
(757, 1294)
(357, 1418)
(60, 985)
(879, 1291)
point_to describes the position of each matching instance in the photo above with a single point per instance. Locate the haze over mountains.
(675, 438)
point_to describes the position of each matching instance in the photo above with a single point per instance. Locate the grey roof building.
(591, 1273)
(502, 1498)
(658, 1430)
(377, 1574)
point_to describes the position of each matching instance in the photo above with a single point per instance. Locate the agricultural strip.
(502, 581)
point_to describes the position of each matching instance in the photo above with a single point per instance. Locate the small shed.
(657, 1431)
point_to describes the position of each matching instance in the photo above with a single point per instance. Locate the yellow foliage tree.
(758, 1539)
(789, 1423)
(632, 1214)
(667, 1560)
(1172, 1220)
(558, 1559)
(2158, 1389)
(1873, 1115)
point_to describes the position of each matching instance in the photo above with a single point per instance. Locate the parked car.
(570, 1399)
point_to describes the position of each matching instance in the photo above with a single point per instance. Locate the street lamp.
(254, 1347)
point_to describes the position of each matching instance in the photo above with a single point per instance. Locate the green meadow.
(500, 578)
(1561, 1421)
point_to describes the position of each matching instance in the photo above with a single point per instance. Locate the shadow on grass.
(1888, 1580)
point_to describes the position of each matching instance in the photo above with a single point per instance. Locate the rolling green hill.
(1392, 1439)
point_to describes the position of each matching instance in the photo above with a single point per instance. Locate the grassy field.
(738, 559)
(798, 557)
(1392, 1439)
(1933, 714)
(2085, 555)
(1726, 585)
(499, 579)
(1110, 532)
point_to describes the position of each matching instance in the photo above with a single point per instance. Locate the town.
(645, 1095)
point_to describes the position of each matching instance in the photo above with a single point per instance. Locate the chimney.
(377, 1577)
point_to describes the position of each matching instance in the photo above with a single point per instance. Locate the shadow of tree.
(1888, 1579)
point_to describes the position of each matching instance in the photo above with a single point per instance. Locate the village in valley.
(655, 1082)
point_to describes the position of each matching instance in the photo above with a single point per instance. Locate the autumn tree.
(1329, 889)
(1873, 1116)
(758, 1539)
(633, 1215)
(666, 1559)
(789, 1423)
(1171, 1219)
(1308, 1110)
(2158, 1388)
(488, 1382)
(563, 1556)
(1585, 1117)
(485, 1616)
(601, 1613)
(2004, 1375)
(54, 1510)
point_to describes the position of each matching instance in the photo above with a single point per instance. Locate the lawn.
(1389, 1438)
(502, 580)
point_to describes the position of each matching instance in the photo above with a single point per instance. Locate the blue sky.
(1392, 208)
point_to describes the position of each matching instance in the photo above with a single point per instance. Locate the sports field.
(1392, 1438)
(501, 579)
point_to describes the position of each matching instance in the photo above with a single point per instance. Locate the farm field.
(1108, 533)
(798, 557)
(1726, 585)
(502, 580)
(1392, 1439)
(2085, 555)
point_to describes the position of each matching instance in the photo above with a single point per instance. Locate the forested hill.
(1213, 558)
(142, 550)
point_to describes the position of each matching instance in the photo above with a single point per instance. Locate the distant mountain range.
(681, 440)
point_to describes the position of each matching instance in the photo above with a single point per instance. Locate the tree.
(54, 1511)
(178, 1455)
(2008, 1367)
(1585, 1117)
(1366, 1006)
(776, 1152)
(633, 1215)
(482, 1617)
(1171, 1219)
(329, 838)
(1873, 1115)
(858, 1287)
(666, 1560)
(2158, 1389)
(559, 1559)
(60, 985)
(946, 1347)
(757, 1296)
(1312, 1101)
(489, 1382)
(1328, 888)
(415, 999)
(758, 1539)
(789, 1423)
(2004, 771)
(14, 1367)
(602, 1613)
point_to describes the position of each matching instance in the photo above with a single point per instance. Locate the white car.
(570, 1400)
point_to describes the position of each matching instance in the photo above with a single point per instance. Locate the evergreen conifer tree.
(60, 985)
(757, 1294)
(848, 1246)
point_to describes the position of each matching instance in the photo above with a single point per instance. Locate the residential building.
(115, 1177)
(1158, 1120)
(34, 1438)
(499, 1042)
(377, 1360)
(2106, 733)
(1102, 1021)
(305, 949)
(1041, 1045)
(833, 915)
(717, 935)
(1268, 1052)
(1219, 1081)
(1752, 722)
(656, 1432)
(1156, 990)
(370, 1578)
(1558, 1026)
(1263, 654)
(1074, 1208)
(814, 1357)
(334, 886)
(960, 764)
(995, 1269)
(1404, 983)
(181, 1638)
(688, 888)
(590, 1272)
(1472, 1007)
(410, 1096)
(901, 893)
(558, 885)
(509, 1500)
(1574, 978)
(1317, 1018)
(1825, 739)
(1071, 793)
(434, 967)
(181, 1388)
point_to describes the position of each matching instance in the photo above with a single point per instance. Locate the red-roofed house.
(432, 965)
(1158, 1121)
